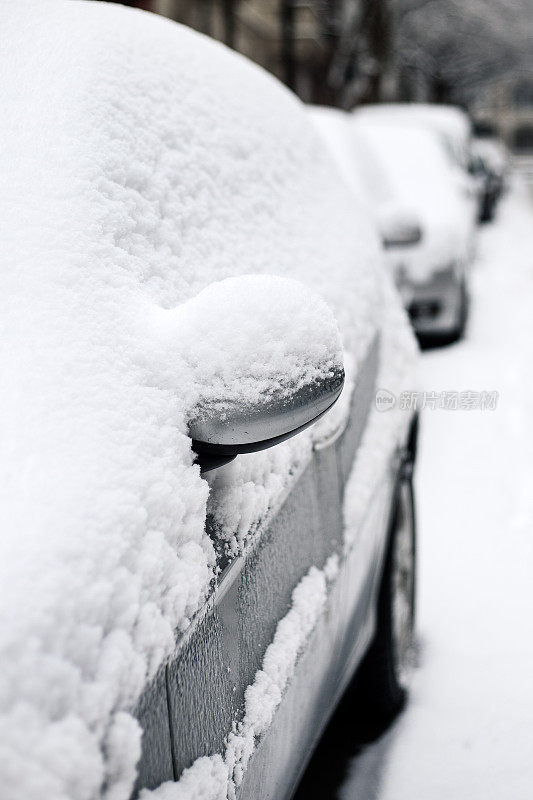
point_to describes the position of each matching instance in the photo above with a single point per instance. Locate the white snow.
(363, 175)
(206, 779)
(240, 348)
(264, 695)
(140, 164)
(466, 732)
(450, 122)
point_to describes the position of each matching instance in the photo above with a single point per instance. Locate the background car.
(187, 277)
(396, 221)
(400, 170)
(434, 278)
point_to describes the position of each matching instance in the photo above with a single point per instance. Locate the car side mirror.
(247, 428)
(281, 366)
(399, 228)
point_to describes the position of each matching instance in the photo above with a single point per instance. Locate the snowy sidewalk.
(468, 730)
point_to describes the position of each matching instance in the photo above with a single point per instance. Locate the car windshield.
(411, 157)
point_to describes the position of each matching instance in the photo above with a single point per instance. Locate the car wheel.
(487, 212)
(382, 680)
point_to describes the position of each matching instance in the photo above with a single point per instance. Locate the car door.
(202, 695)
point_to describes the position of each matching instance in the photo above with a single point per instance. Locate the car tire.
(487, 211)
(382, 679)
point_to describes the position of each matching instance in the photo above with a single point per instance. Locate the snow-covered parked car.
(433, 276)
(397, 223)
(186, 279)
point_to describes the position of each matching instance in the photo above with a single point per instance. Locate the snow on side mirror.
(399, 228)
(270, 365)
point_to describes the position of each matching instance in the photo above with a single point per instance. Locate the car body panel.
(345, 629)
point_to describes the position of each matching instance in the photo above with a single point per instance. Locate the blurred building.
(506, 109)
(332, 52)
(293, 39)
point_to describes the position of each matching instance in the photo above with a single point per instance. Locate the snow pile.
(134, 175)
(248, 492)
(241, 348)
(206, 779)
(264, 695)
(261, 700)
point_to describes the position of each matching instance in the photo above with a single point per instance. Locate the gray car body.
(190, 707)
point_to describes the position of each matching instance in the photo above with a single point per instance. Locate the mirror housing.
(218, 438)
(399, 228)
(266, 361)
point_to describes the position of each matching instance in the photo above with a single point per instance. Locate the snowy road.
(467, 733)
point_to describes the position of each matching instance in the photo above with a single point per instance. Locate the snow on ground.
(466, 733)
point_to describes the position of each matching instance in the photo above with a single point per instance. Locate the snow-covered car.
(433, 279)
(185, 280)
(398, 224)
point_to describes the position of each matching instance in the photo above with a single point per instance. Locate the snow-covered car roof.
(451, 122)
(141, 162)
